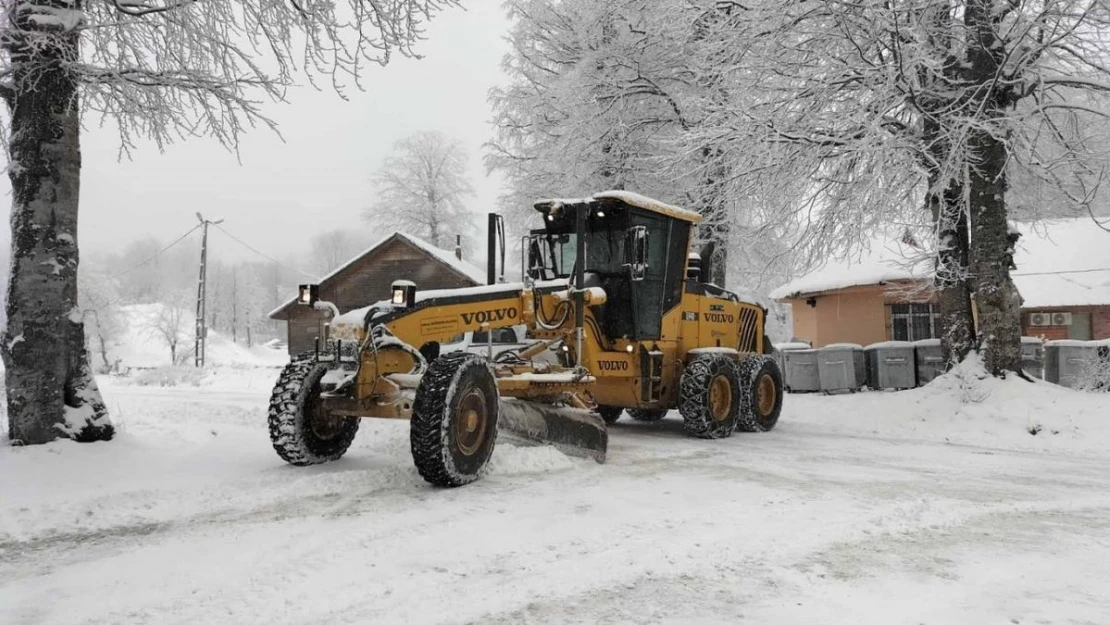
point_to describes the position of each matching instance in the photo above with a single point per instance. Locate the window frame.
(912, 313)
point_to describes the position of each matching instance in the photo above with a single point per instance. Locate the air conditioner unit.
(1040, 319)
(1061, 319)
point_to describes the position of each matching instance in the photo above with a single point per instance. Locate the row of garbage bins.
(904, 364)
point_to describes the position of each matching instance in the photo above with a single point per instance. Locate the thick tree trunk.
(952, 281)
(992, 243)
(992, 257)
(944, 199)
(50, 387)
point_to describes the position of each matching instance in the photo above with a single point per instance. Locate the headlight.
(404, 293)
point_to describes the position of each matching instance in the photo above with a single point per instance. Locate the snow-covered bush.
(169, 376)
(1094, 373)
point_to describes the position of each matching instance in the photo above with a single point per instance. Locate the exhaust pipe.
(495, 237)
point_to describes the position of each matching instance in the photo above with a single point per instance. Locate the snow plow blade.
(572, 431)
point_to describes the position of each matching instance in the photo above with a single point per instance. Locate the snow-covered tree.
(160, 69)
(170, 324)
(876, 107)
(623, 95)
(422, 189)
(99, 300)
(593, 89)
(333, 248)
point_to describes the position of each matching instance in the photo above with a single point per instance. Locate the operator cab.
(634, 247)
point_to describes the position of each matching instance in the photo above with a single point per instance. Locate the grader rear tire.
(647, 415)
(454, 419)
(301, 430)
(761, 394)
(609, 414)
(709, 396)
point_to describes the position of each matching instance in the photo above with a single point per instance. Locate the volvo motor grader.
(609, 288)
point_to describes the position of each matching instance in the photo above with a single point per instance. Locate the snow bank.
(141, 344)
(967, 406)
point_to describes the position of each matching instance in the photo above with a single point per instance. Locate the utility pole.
(202, 292)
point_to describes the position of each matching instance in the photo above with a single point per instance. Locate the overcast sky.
(318, 178)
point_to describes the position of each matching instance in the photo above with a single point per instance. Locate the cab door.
(648, 293)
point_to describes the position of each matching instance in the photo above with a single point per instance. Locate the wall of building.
(858, 315)
(1100, 323)
(805, 321)
(853, 315)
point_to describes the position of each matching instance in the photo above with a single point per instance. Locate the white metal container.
(1032, 356)
(1077, 364)
(930, 360)
(840, 367)
(801, 370)
(891, 365)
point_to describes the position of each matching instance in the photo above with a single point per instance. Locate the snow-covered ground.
(927, 506)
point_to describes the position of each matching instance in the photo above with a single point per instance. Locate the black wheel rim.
(324, 425)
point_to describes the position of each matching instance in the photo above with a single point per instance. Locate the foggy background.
(318, 178)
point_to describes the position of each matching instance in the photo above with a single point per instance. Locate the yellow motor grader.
(611, 297)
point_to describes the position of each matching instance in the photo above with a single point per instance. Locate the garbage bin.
(1032, 356)
(891, 365)
(801, 370)
(840, 367)
(930, 360)
(779, 348)
(1077, 364)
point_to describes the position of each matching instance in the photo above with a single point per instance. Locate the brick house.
(1063, 275)
(366, 279)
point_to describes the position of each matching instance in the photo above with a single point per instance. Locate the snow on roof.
(1060, 262)
(630, 198)
(1063, 262)
(885, 261)
(476, 275)
(640, 201)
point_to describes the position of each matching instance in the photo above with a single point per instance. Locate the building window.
(913, 322)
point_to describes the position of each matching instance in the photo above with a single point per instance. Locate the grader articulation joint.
(609, 283)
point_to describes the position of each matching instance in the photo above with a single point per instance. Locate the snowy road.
(191, 518)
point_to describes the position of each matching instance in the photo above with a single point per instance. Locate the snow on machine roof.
(632, 199)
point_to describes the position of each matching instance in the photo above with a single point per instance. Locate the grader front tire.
(709, 396)
(454, 420)
(301, 430)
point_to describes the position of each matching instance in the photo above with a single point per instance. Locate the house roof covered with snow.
(885, 260)
(461, 267)
(1060, 262)
(1063, 262)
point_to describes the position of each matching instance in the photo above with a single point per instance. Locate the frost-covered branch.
(165, 69)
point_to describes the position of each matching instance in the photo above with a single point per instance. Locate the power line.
(269, 258)
(1057, 273)
(156, 254)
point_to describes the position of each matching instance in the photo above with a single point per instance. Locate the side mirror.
(636, 251)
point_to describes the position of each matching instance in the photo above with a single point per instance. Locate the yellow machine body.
(612, 369)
